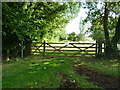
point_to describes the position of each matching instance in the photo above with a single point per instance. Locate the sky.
(73, 25)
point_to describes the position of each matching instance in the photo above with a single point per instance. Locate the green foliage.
(81, 37)
(72, 36)
(34, 21)
(76, 37)
(63, 35)
(105, 25)
(95, 17)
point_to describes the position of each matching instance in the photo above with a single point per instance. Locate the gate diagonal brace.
(51, 46)
(87, 48)
(57, 49)
(84, 49)
(37, 48)
(76, 47)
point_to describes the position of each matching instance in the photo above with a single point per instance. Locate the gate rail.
(67, 49)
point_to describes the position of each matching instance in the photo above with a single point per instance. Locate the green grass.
(36, 72)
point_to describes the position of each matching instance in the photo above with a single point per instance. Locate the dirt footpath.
(98, 78)
(67, 83)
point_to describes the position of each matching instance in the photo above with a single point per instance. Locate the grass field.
(36, 72)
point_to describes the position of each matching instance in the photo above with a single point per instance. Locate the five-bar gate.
(72, 49)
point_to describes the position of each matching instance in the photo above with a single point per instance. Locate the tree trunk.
(116, 38)
(111, 46)
(105, 25)
(27, 49)
(6, 55)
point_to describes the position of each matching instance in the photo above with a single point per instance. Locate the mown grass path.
(36, 72)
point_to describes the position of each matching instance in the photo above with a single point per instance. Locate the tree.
(116, 37)
(104, 23)
(32, 21)
(81, 36)
(72, 36)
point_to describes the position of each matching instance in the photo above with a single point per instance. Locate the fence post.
(99, 47)
(96, 50)
(104, 48)
(22, 49)
(44, 49)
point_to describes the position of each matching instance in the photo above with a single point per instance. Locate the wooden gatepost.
(44, 48)
(100, 47)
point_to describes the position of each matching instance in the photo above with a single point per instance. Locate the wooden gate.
(71, 49)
